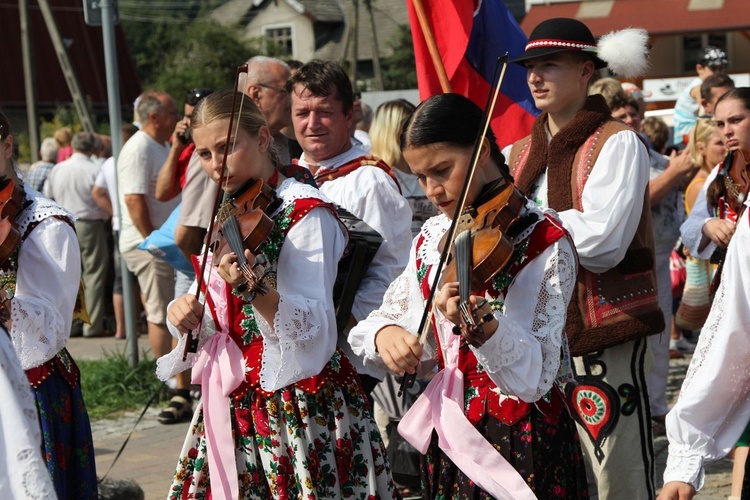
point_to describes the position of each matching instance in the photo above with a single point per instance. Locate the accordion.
(364, 242)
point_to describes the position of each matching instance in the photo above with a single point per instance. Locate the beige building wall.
(667, 55)
(279, 14)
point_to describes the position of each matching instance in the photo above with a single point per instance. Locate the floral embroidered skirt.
(294, 445)
(66, 438)
(545, 451)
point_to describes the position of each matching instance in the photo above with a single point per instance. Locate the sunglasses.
(194, 96)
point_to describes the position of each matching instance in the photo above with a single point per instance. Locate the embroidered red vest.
(244, 330)
(621, 304)
(347, 168)
(481, 394)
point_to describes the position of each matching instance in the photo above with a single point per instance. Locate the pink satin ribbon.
(440, 407)
(219, 369)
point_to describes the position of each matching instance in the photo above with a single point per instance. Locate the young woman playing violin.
(39, 279)
(492, 422)
(283, 414)
(713, 408)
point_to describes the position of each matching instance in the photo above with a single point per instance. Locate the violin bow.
(191, 345)
(424, 327)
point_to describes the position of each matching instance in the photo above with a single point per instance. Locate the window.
(280, 38)
(692, 45)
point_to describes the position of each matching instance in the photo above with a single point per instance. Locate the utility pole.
(29, 82)
(375, 48)
(355, 43)
(104, 13)
(67, 69)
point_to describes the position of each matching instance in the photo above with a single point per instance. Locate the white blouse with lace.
(303, 336)
(523, 356)
(47, 279)
(714, 403)
(23, 473)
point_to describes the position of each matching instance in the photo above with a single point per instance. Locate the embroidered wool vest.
(618, 305)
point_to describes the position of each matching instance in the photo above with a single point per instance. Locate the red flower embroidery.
(261, 423)
(244, 420)
(344, 456)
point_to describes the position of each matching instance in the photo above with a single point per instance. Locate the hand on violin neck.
(229, 268)
(449, 304)
(399, 349)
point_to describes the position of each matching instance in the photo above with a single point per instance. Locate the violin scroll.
(737, 180)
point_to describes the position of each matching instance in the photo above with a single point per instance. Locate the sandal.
(178, 410)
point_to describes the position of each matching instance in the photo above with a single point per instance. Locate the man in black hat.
(594, 171)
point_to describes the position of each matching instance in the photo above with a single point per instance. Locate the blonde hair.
(607, 87)
(63, 136)
(385, 131)
(218, 106)
(700, 134)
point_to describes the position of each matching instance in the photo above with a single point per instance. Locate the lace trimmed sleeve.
(172, 363)
(303, 336)
(403, 303)
(47, 280)
(523, 356)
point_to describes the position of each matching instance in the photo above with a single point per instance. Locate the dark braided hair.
(450, 119)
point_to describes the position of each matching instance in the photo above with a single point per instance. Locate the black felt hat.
(560, 34)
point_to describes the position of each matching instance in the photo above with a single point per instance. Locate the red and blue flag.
(470, 36)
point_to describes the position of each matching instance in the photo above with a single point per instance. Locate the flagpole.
(445, 84)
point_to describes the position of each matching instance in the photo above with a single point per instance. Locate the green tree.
(207, 57)
(399, 70)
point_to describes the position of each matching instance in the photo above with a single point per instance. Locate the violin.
(737, 180)
(245, 224)
(482, 249)
(11, 203)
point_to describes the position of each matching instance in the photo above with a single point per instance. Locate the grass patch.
(110, 386)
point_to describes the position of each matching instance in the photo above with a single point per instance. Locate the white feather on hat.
(625, 51)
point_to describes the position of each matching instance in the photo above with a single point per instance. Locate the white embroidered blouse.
(523, 356)
(23, 473)
(47, 280)
(714, 403)
(303, 336)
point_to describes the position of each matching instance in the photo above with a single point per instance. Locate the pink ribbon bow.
(220, 369)
(440, 408)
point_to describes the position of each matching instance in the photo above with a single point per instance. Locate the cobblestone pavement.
(151, 455)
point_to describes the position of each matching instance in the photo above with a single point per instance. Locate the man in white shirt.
(138, 168)
(322, 113)
(69, 183)
(594, 171)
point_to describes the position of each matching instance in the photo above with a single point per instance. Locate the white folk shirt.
(523, 355)
(302, 338)
(372, 195)
(612, 202)
(47, 279)
(714, 403)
